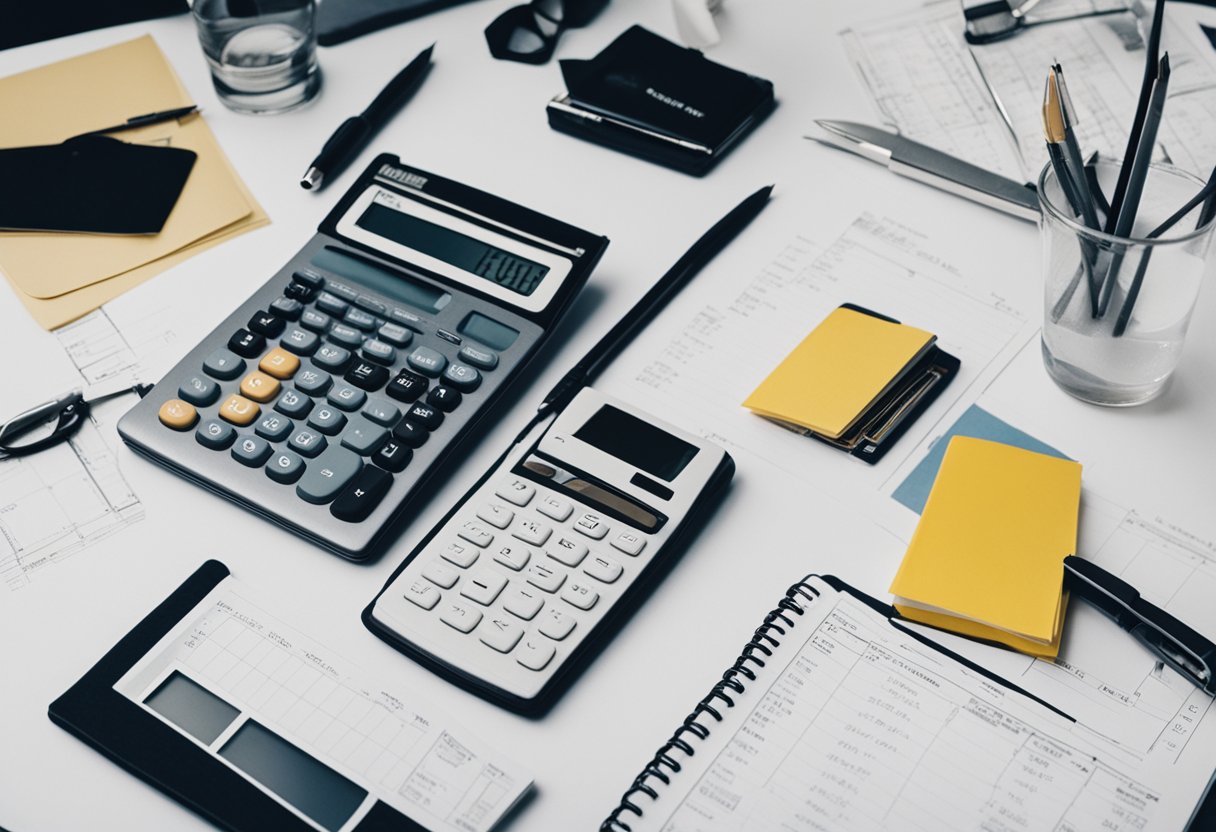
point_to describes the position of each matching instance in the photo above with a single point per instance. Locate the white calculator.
(531, 573)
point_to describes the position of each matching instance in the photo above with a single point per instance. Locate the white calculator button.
(592, 525)
(501, 633)
(458, 615)
(567, 551)
(555, 507)
(496, 515)
(423, 594)
(531, 531)
(629, 543)
(516, 491)
(535, 653)
(475, 533)
(512, 555)
(580, 595)
(603, 569)
(523, 602)
(439, 573)
(543, 577)
(483, 586)
(460, 554)
(555, 624)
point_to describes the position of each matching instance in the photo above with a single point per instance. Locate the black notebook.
(838, 716)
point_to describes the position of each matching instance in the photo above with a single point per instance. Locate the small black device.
(330, 396)
(660, 101)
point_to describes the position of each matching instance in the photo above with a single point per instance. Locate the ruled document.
(855, 725)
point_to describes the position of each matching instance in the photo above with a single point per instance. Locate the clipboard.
(213, 779)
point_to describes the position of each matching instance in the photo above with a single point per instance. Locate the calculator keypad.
(329, 391)
(522, 573)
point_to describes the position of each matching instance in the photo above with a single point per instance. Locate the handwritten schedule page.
(855, 725)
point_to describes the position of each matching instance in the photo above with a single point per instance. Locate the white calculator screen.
(637, 442)
(508, 270)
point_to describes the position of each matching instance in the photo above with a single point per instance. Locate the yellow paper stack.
(60, 277)
(838, 371)
(986, 560)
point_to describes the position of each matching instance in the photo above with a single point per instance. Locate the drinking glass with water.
(1116, 309)
(262, 53)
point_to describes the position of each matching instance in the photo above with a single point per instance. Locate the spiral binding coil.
(762, 642)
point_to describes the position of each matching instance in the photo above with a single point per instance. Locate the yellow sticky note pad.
(987, 556)
(838, 371)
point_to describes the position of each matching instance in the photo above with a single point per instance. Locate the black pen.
(667, 287)
(354, 133)
(146, 119)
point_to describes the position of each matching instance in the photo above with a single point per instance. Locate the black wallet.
(660, 101)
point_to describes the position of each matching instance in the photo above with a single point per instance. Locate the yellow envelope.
(838, 371)
(60, 277)
(987, 558)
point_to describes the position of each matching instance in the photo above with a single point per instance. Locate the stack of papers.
(839, 371)
(987, 559)
(60, 277)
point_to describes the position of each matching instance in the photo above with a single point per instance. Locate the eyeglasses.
(50, 424)
(992, 20)
(529, 33)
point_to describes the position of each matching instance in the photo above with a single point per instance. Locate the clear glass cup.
(1116, 310)
(262, 53)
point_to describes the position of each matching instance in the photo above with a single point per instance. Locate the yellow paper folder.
(987, 558)
(838, 371)
(60, 277)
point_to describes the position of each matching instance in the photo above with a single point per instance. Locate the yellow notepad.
(838, 371)
(987, 557)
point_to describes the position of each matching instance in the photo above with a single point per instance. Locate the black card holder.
(656, 100)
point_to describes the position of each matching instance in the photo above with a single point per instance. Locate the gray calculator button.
(285, 467)
(315, 321)
(331, 303)
(484, 359)
(251, 451)
(224, 365)
(313, 382)
(347, 397)
(274, 427)
(343, 291)
(327, 475)
(199, 391)
(379, 352)
(395, 334)
(215, 434)
(381, 412)
(308, 442)
(293, 404)
(309, 278)
(300, 341)
(359, 318)
(426, 361)
(403, 317)
(328, 420)
(370, 304)
(364, 438)
(288, 308)
(331, 357)
(462, 377)
(346, 336)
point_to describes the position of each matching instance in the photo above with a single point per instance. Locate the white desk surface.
(483, 122)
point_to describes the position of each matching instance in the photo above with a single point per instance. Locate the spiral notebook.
(839, 716)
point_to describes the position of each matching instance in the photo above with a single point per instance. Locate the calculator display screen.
(466, 253)
(639, 443)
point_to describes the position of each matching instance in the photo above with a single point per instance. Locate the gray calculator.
(327, 399)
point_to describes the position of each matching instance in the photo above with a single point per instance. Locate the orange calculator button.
(260, 387)
(177, 414)
(279, 363)
(239, 410)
